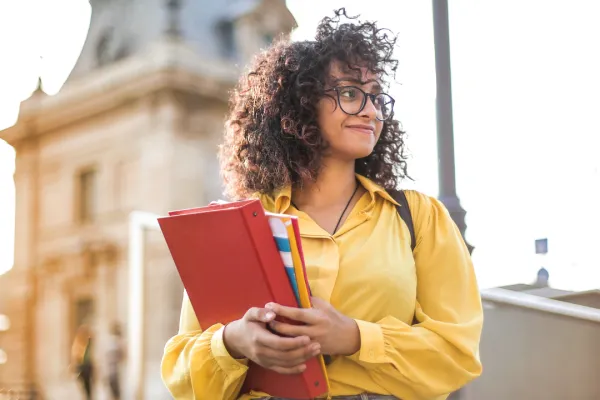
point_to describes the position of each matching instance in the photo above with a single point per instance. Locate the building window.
(86, 195)
(226, 30)
(268, 38)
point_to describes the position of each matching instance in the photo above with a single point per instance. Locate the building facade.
(136, 128)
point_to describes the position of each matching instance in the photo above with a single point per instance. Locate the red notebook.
(228, 262)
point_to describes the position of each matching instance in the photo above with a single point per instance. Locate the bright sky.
(525, 86)
(49, 42)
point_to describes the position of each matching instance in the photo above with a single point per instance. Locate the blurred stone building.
(136, 127)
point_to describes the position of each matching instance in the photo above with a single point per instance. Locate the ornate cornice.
(90, 255)
(100, 253)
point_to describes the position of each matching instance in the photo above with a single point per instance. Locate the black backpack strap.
(404, 211)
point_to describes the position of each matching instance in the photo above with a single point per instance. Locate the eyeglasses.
(352, 100)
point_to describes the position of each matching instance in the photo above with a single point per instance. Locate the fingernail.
(302, 367)
(269, 305)
(316, 348)
(269, 315)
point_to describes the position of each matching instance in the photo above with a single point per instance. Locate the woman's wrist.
(351, 337)
(230, 340)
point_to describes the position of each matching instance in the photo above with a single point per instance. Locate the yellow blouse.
(367, 272)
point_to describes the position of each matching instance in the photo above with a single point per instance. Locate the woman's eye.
(348, 93)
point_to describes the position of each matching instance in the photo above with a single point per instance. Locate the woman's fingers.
(289, 371)
(291, 330)
(256, 314)
(275, 351)
(288, 359)
(275, 342)
(307, 315)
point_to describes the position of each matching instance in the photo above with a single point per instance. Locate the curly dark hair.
(272, 138)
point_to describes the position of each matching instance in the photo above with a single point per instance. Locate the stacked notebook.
(234, 256)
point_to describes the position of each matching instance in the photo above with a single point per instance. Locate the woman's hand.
(248, 337)
(336, 333)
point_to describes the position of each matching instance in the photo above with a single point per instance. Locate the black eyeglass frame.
(364, 102)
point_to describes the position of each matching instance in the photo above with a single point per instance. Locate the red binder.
(228, 262)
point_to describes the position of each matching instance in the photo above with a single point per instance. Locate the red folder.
(228, 262)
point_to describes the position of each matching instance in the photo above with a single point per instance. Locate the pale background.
(525, 86)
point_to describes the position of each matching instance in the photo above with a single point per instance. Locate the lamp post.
(445, 130)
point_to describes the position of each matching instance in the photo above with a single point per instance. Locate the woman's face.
(350, 137)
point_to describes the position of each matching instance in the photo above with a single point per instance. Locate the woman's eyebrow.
(375, 88)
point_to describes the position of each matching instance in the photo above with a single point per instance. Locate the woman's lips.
(366, 129)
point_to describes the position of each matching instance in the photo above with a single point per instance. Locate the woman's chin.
(350, 153)
(361, 152)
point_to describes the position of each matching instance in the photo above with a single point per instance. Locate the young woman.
(311, 132)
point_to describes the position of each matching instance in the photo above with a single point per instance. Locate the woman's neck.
(335, 184)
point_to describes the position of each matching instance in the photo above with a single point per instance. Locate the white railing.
(139, 223)
(504, 296)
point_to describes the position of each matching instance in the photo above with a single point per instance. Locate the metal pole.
(445, 132)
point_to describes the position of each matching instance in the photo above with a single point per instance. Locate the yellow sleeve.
(440, 353)
(196, 365)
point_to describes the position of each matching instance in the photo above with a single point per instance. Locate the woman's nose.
(369, 110)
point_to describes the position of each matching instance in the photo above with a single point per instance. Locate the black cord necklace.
(343, 212)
